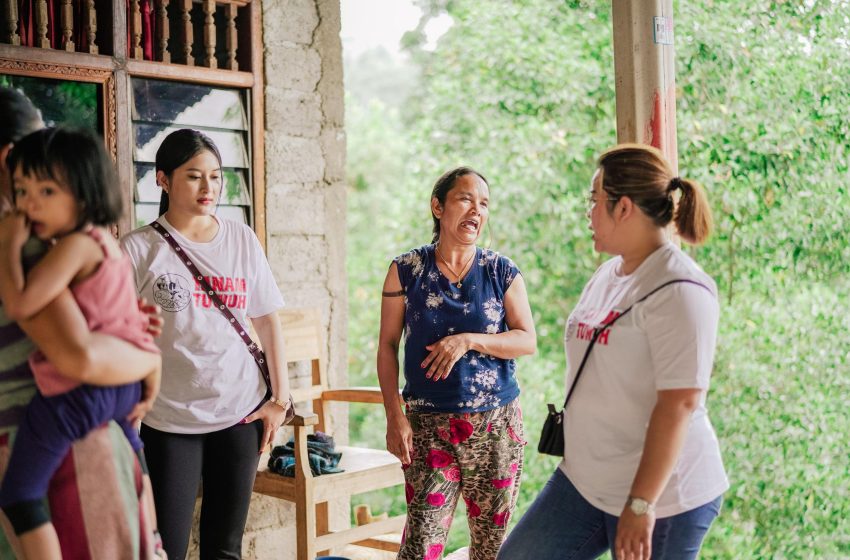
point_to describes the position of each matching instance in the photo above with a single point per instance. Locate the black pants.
(226, 461)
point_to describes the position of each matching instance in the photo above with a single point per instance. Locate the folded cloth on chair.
(321, 453)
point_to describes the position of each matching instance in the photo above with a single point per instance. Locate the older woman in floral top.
(466, 316)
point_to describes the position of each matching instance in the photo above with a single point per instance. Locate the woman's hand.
(399, 437)
(14, 231)
(150, 390)
(272, 416)
(634, 535)
(444, 354)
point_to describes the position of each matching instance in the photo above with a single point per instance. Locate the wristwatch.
(279, 402)
(639, 506)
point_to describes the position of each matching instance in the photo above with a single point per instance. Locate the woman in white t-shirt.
(642, 474)
(211, 418)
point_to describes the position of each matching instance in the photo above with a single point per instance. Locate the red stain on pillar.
(653, 133)
(660, 130)
(670, 137)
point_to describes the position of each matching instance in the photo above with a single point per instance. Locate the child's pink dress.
(65, 410)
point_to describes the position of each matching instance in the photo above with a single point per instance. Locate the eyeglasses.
(592, 202)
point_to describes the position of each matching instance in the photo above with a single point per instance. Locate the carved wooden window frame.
(114, 72)
(104, 78)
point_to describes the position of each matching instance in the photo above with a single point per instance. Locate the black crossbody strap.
(598, 330)
(214, 297)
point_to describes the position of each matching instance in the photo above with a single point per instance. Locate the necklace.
(459, 283)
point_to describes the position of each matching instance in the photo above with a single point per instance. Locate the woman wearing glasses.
(642, 474)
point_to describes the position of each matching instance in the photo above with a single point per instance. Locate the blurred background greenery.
(523, 90)
(73, 104)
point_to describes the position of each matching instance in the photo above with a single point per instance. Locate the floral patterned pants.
(476, 456)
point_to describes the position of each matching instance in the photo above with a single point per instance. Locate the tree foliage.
(523, 90)
(61, 102)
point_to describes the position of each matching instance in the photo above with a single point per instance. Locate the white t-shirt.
(665, 342)
(210, 381)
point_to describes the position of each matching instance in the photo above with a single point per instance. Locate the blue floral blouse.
(436, 308)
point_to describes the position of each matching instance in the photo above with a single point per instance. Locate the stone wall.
(305, 204)
(305, 212)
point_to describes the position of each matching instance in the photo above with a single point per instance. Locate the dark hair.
(76, 160)
(642, 173)
(446, 183)
(179, 147)
(18, 116)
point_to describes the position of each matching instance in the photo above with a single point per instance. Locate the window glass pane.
(146, 213)
(149, 136)
(162, 107)
(235, 213)
(146, 187)
(235, 191)
(188, 105)
(60, 102)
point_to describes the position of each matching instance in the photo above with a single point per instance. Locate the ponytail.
(642, 173)
(693, 215)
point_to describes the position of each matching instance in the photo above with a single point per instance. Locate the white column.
(645, 77)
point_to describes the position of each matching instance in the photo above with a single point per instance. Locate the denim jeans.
(562, 525)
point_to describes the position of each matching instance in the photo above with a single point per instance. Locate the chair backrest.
(304, 341)
(364, 469)
(302, 333)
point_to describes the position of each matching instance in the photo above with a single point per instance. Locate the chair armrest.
(304, 420)
(354, 394)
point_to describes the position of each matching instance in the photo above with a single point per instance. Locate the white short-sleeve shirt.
(210, 380)
(665, 342)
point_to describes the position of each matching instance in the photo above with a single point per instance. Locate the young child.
(65, 193)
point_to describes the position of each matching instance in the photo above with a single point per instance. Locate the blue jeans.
(562, 525)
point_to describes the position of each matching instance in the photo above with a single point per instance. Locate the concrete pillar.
(645, 76)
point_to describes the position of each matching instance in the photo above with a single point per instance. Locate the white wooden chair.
(364, 469)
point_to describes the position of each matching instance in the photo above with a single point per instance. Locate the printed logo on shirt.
(172, 292)
(231, 291)
(584, 331)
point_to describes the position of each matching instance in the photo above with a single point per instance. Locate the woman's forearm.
(61, 332)
(520, 339)
(389, 339)
(106, 361)
(665, 437)
(270, 334)
(11, 279)
(388, 378)
(507, 345)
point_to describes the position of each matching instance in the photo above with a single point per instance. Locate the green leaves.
(524, 92)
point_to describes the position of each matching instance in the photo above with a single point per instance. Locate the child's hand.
(150, 389)
(14, 231)
(154, 314)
